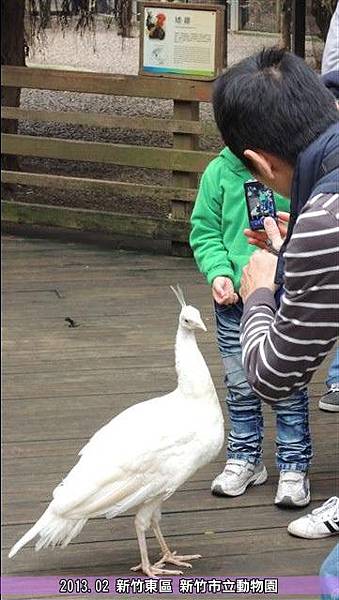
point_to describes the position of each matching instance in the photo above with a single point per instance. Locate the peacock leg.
(141, 525)
(168, 556)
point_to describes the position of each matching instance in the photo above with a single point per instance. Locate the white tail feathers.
(52, 529)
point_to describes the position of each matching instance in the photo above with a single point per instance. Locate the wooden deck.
(62, 383)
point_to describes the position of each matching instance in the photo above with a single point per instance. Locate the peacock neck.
(193, 374)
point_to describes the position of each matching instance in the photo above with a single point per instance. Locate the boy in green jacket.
(221, 251)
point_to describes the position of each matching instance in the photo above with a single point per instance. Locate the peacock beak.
(202, 326)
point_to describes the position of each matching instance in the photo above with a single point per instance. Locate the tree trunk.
(322, 10)
(12, 53)
(278, 15)
(286, 19)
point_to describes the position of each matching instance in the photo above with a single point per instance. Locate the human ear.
(260, 165)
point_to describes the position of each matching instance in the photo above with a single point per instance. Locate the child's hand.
(259, 238)
(223, 291)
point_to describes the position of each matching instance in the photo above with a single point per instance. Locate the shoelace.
(334, 388)
(332, 502)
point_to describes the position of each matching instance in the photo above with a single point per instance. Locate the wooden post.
(225, 38)
(298, 27)
(286, 18)
(184, 141)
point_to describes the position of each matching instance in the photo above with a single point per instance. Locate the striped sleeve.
(283, 348)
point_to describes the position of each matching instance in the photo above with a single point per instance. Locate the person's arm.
(206, 237)
(283, 349)
(330, 60)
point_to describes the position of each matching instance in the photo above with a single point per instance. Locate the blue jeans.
(293, 440)
(333, 372)
(329, 574)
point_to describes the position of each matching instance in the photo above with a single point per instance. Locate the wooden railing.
(184, 159)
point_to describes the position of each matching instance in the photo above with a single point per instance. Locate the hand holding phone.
(259, 238)
(260, 204)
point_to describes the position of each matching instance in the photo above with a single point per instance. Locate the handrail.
(106, 83)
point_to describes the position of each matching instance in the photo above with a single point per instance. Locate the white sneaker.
(293, 489)
(237, 476)
(320, 523)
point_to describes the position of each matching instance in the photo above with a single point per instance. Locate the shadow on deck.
(62, 383)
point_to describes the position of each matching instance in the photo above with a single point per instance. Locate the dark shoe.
(330, 400)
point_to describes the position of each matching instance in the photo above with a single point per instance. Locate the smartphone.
(260, 204)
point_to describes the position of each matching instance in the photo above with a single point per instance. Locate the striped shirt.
(283, 348)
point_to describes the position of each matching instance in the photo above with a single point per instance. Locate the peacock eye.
(186, 320)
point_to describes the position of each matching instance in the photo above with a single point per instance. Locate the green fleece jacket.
(219, 218)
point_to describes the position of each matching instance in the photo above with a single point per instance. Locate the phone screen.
(260, 204)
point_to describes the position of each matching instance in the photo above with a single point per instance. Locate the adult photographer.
(280, 120)
(275, 114)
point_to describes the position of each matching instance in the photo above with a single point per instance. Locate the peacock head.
(189, 317)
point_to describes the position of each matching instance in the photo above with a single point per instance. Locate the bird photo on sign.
(155, 25)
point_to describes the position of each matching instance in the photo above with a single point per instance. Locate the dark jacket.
(317, 171)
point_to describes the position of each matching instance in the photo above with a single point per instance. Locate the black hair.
(274, 102)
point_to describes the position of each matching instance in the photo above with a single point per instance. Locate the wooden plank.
(183, 501)
(106, 83)
(50, 281)
(54, 256)
(48, 425)
(104, 273)
(91, 220)
(150, 288)
(158, 194)
(39, 453)
(230, 554)
(116, 369)
(38, 458)
(101, 531)
(115, 401)
(18, 452)
(231, 518)
(187, 498)
(102, 120)
(117, 154)
(103, 362)
(182, 141)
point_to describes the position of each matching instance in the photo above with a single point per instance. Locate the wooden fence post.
(184, 110)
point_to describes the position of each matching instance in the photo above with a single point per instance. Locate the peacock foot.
(179, 560)
(155, 570)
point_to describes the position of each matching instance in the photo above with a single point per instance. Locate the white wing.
(125, 462)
